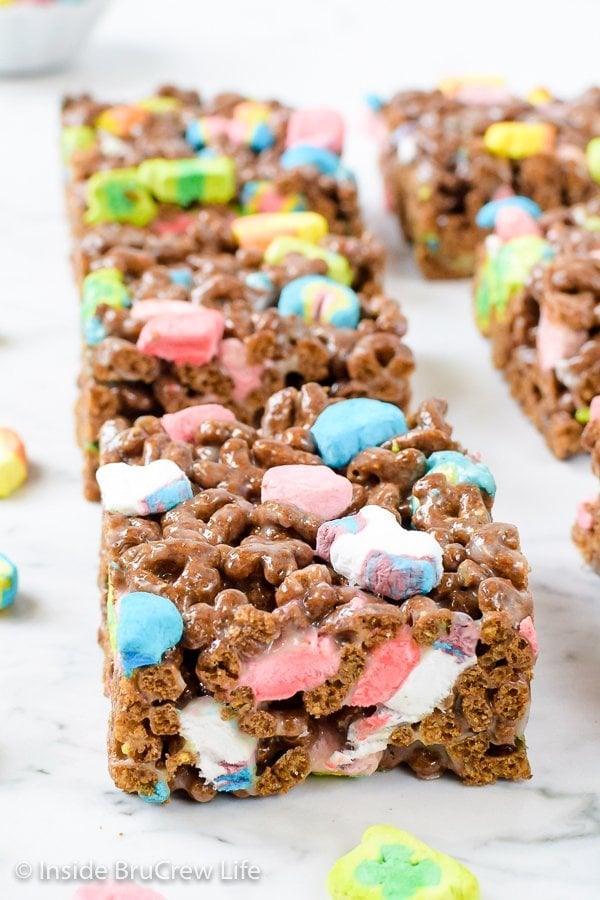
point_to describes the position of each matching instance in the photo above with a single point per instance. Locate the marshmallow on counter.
(226, 757)
(338, 266)
(182, 425)
(344, 429)
(9, 581)
(143, 490)
(191, 336)
(461, 469)
(13, 462)
(256, 232)
(373, 551)
(297, 662)
(556, 342)
(317, 490)
(317, 127)
(147, 625)
(390, 864)
(112, 890)
(320, 301)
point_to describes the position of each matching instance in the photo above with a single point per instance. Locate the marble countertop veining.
(540, 839)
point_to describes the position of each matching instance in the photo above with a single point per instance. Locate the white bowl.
(40, 37)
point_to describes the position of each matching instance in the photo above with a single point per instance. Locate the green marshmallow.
(593, 158)
(504, 273)
(76, 137)
(390, 864)
(186, 181)
(103, 286)
(338, 266)
(118, 195)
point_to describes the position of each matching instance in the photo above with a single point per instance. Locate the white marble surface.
(534, 840)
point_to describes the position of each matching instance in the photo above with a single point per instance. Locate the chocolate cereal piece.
(537, 299)
(249, 643)
(448, 152)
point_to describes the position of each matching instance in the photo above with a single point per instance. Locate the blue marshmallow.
(181, 276)
(9, 581)
(345, 428)
(461, 469)
(486, 217)
(148, 625)
(325, 161)
(160, 793)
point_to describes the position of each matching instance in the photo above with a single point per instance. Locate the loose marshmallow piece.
(226, 756)
(143, 490)
(191, 337)
(322, 128)
(110, 890)
(299, 662)
(182, 425)
(373, 551)
(315, 489)
(9, 581)
(13, 462)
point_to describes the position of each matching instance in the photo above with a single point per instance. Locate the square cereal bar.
(448, 152)
(537, 299)
(233, 329)
(154, 163)
(252, 636)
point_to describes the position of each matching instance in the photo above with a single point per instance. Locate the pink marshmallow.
(364, 728)
(178, 225)
(527, 629)
(583, 516)
(314, 489)
(193, 337)
(234, 358)
(322, 128)
(182, 425)
(595, 408)
(108, 890)
(144, 310)
(298, 663)
(512, 222)
(556, 342)
(483, 94)
(387, 668)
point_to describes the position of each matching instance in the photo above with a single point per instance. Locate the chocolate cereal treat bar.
(327, 594)
(448, 152)
(537, 292)
(234, 329)
(155, 163)
(586, 530)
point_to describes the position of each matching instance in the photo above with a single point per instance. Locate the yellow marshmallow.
(256, 232)
(518, 140)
